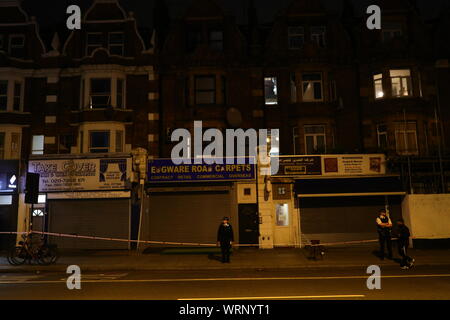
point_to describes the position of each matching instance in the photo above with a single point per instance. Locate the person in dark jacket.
(403, 235)
(384, 227)
(225, 239)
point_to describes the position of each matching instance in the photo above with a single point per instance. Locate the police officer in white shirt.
(384, 228)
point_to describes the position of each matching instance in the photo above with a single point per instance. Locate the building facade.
(116, 89)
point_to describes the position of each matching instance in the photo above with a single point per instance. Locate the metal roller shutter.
(187, 217)
(335, 219)
(103, 218)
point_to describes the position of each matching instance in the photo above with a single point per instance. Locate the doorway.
(248, 224)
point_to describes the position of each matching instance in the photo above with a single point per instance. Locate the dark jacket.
(403, 233)
(225, 233)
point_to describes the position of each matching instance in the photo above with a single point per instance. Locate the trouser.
(385, 241)
(403, 252)
(225, 247)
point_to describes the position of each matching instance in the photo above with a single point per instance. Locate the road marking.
(101, 276)
(279, 297)
(234, 279)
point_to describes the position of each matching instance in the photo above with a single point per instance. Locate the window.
(17, 101)
(312, 87)
(296, 37)
(3, 95)
(270, 90)
(382, 136)
(119, 141)
(282, 214)
(15, 145)
(99, 141)
(315, 141)
(2, 145)
(94, 41)
(205, 90)
(318, 35)
(116, 43)
(295, 139)
(38, 213)
(391, 30)
(194, 38)
(120, 103)
(293, 84)
(100, 96)
(37, 145)
(401, 83)
(16, 45)
(406, 138)
(216, 40)
(378, 85)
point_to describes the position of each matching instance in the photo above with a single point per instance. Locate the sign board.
(9, 177)
(333, 165)
(164, 170)
(81, 174)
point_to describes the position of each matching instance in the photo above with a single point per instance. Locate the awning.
(345, 187)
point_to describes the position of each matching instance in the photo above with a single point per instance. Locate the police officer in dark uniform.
(384, 228)
(225, 239)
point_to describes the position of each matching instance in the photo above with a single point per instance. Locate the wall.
(427, 216)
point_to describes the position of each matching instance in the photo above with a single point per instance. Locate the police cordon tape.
(63, 235)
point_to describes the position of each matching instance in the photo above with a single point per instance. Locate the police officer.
(384, 228)
(225, 239)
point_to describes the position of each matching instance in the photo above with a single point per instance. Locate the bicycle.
(39, 252)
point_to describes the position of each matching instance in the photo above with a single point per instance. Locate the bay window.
(406, 138)
(100, 92)
(315, 140)
(312, 87)
(401, 82)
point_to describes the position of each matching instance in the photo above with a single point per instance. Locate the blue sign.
(164, 170)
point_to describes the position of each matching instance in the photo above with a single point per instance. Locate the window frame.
(5, 95)
(313, 88)
(278, 207)
(381, 133)
(34, 150)
(409, 83)
(197, 90)
(11, 46)
(314, 136)
(377, 79)
(101, 94)
(276, 90)
(91, 148)
(292, 35)
(211, 42)
(315, 37)
(96, 46)
(404, 132)
(121, 45)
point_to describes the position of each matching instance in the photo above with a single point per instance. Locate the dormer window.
(296, 37)
(94, 41)
(216, 40)
(194, 38)
(391, 30)
(116, 43)
(17, 45)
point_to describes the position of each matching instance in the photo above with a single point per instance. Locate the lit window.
(94, 41)
(116, 43)
(270, 90)
(5, 200)
(312, 87)
(406, 138)
(282, 214)
(296, 36)
(378, 85)
(38, 213)
(315, 139)
(216, 40)
(401, 83)
(3, 95)
(318, 35)
(382, 136)
(100, 96)
(99, 141)
(37, 146)
(205, 89)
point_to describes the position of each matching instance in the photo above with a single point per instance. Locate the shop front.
(186, 203)
(337, 197)
(86, 196)
(9, 184)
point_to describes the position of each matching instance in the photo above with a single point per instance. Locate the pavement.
(241, 259)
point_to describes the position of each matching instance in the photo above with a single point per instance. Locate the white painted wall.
(427, 215)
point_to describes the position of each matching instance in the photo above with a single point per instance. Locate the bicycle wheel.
(47, 255)
(17, 256)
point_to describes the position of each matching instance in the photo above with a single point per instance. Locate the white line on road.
(233, 279)
(280, 297)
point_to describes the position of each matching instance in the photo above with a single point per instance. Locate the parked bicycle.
(30, 250)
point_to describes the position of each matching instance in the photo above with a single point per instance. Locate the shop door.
(248, 224)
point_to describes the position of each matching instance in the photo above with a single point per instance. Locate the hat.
(226, 218)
